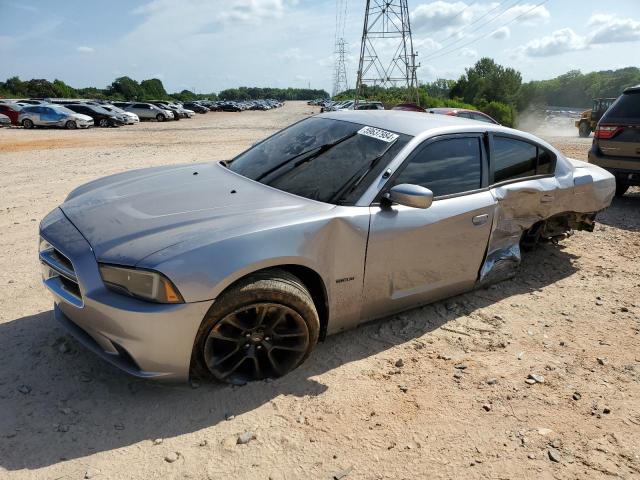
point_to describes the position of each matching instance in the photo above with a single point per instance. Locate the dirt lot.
(455, 406)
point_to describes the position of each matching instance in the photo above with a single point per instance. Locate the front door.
(415, 256)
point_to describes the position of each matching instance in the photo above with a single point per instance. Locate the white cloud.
(425, 45)
(560, 41)
(527, 13)
(603, 28)
(85, 49)
(440, 15)
(612, 29)
(468, 53)
(294, 54)
(501, 33)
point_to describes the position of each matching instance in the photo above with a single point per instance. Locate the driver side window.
(445, 167)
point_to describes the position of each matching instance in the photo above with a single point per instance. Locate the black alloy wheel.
(258, 341)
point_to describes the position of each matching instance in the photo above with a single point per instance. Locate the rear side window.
(546, 162)
(513, 159)
(627, 107)
(445, 167)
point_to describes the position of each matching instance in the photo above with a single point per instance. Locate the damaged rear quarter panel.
(576, 187)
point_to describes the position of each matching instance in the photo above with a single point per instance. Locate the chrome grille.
(58, 274)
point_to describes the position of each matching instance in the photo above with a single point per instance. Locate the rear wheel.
(71, 125)
(584, 130)
(26, 123)
(160, 117)
(103, 122)
(621, 188)
(264, 327)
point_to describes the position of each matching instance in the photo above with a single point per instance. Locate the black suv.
(616, 141)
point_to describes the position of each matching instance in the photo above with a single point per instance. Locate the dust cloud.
(549, 121)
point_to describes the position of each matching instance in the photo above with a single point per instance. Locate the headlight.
(144, 284)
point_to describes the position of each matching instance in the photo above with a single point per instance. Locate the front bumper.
(145, 339)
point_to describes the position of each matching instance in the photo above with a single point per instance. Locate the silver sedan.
(235, 270)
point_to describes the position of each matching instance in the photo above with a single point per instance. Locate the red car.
(464, 113)
(11, 110)
(409, 107)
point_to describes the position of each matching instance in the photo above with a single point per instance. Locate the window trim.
(511, 136)
(484, 165)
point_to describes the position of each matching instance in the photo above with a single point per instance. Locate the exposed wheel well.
(313, 282)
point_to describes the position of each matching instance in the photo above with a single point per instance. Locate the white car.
(50, 115)
(147, 111)
(129, 118)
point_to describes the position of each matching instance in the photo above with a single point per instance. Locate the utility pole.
(387, 58)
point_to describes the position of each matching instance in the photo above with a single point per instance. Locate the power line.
(479, 27)
(489, 33)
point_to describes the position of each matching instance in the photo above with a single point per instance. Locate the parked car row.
(81, 113)
(331, 106)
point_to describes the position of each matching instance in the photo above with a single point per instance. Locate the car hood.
(127, 217)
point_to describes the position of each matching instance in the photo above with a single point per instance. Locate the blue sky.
(210, 45)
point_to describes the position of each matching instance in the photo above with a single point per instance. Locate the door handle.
(480, 219)
(546, 198)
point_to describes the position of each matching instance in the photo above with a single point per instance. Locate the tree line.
(126, 88)
(499, 91)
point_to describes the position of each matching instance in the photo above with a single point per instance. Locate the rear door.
(523, 183)
(414, 255)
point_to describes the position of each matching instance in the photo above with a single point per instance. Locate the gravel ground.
(436, 392)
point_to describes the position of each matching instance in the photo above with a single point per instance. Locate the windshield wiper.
(352, 183)
(304, 157)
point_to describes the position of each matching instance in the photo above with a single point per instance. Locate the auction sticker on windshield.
(378, 133)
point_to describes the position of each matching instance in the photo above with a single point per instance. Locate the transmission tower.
(340, 83)
(387, 58)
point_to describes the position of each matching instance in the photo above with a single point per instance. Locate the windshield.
(318, 158)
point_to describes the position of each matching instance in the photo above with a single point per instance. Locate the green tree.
(153, 89)
(125, 88)
(487, 81)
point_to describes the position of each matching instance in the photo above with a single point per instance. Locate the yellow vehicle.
(589, 118)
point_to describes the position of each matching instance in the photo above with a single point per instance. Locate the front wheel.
(584, 130)
(160, 117)
(264, 327)
(621, 188)
(71, 125)
(26, 123)
(103, 122)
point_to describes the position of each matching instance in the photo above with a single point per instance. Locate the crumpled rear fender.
(575, 194)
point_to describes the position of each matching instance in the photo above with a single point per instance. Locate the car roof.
(402, 121)
(633, 89)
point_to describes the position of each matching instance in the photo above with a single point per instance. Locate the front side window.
(445, 167)
(322, 159)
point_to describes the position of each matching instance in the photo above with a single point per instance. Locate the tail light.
(606, 131)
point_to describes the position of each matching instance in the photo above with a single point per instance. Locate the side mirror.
(410, 195)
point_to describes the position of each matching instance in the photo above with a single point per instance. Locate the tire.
(621, 188)
(71, 125)
(160, 117)
(26, 123)
(103, 122)
(264, 326)
(584, 130)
